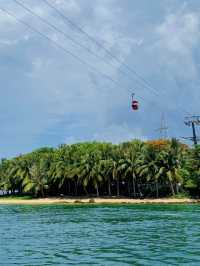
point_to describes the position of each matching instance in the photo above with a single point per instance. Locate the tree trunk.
(97, 189)
(117, 187)
(109, 188)
(76, 188)
(177, 188)
(42, 191)
(157, 192)
(129, 191)
(134, 190)
(66, 189)
(20, 189)
(69, 187)
(172, 187)
(86, 192)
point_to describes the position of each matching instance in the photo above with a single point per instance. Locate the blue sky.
(47, 97)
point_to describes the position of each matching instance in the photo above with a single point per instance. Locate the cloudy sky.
(70, 89)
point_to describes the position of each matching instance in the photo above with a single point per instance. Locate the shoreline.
(51, 201)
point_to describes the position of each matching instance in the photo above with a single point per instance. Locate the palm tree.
(37, 182)
(97, 177)
(128, 167)
(191, 168)
(59, 174)
(111, 168)
(19, 170)
(130, 162)
(170, 164)
(149, 169)
(90, 171)
(106, 172)
(95, 166)
(5, 176)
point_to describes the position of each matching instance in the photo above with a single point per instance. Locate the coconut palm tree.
(59, 174)
(89, 171)
(192, 168)
(130, 162)
(37, 181)
(97, 166)
(170, 161)
(111, 168)
(106, 172)
(149, 169)
(19, 170)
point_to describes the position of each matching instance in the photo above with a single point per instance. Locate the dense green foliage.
(152, 169)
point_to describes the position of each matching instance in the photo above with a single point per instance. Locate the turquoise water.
(100, 235)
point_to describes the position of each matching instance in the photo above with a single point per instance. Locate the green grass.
(16, 197)
(182, 195)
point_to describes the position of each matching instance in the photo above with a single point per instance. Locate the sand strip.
(44, 201)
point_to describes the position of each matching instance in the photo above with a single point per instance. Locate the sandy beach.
(44, 201)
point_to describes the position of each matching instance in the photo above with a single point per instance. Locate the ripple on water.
(100, 235)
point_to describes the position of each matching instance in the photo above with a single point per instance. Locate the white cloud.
(71, 6)
(114, 133)
(117, 133)
(8, 42)
(177, 38)
(180, 32)
(40, 64)
(63, 96)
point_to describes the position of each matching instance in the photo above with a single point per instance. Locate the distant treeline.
(133, 169)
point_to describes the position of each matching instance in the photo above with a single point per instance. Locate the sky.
(71, 90)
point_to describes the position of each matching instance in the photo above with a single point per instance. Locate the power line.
(69, 37)
(81, 45)
(193, 121)
(91, 38)
(80, 29)
(64, 49)
(60, 47)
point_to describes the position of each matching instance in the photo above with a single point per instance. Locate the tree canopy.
(156, 168)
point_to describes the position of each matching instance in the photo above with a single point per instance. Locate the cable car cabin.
(135, 105)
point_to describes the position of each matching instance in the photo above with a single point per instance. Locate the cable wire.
(64, 49)
(81, 30)
(76, 42)
(97, 43)
(61, 47)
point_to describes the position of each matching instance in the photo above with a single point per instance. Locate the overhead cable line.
(97, 43)
(60, 47)
(64, 49)
(75, 41)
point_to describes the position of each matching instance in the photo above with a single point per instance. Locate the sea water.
(100, 235)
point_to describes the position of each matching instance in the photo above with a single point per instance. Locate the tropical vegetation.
(134, 169)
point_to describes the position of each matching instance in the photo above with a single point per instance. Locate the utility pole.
(163, 127)
(192, 121)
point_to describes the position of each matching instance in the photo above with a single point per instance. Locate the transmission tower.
(193, 121)
(163, 127)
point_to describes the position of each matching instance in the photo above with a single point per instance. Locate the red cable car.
(135, 104)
